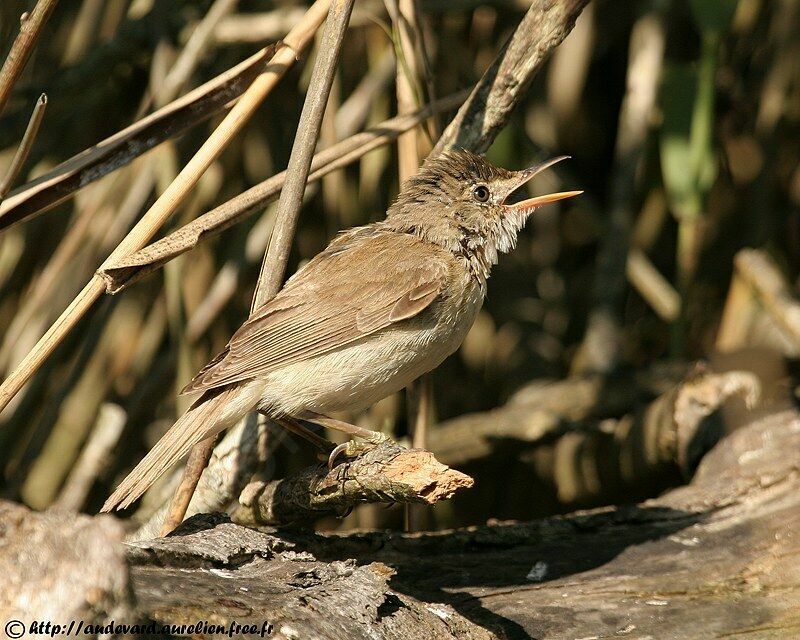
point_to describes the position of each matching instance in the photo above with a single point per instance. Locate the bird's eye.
(480, 193)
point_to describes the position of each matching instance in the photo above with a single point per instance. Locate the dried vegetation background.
(683, 121)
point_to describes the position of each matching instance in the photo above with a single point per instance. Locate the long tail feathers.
(206, 417)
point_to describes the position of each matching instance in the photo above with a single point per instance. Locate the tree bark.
(387, 473)
(715, 558)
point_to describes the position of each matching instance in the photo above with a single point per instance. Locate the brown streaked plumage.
(380, 306)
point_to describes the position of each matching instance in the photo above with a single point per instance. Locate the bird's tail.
(211, 413)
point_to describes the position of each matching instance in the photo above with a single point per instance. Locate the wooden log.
(716, 558)
(57, 567)
(560, 436)
(234, 573)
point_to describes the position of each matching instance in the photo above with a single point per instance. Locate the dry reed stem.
(24, 148)
(770, 287)
(59, 184)
(173, 196)
(276, 258)
(407, 74)
(258, 26)
(510, 66)
(130, 269)
(83, 32)
(82, 232)
(60, 272)
(78, 396)
(506, 80)
(231, 468)
(98, 228)
(187, 61)
(410, 63)
(82, 237)
(93, 458)
(652, 286)
(277, 255)
(355, 110)
(197, 462)
(738, 315)
(30, 28)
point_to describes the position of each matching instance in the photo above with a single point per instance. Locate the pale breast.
(358, 375)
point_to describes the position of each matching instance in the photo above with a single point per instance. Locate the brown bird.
(380, 306)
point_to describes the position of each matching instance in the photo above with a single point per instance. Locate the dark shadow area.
(578, 466)
(457, 567)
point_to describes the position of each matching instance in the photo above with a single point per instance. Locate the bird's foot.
(353, 448)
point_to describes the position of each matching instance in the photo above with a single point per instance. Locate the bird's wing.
(363, 282)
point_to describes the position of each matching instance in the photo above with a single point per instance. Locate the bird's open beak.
(532, 203)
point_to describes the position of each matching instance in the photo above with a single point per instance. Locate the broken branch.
(24, 148)
(387, 473)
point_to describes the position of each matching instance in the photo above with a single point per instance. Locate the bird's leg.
(293, 426)
(373, 437)
(349, 448)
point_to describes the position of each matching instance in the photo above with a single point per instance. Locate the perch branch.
(387, 473)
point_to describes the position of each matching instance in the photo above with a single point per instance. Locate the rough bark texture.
(387, 473)
(716, 558)
(213, 567)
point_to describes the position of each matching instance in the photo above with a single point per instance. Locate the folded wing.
(362, 283)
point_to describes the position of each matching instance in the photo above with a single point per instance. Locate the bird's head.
(464, 203)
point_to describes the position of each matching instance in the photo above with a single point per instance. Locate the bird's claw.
(337, 451)
(353, 448)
